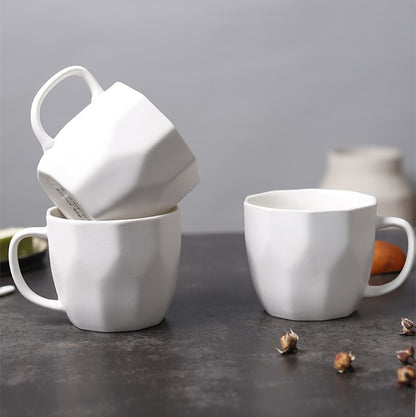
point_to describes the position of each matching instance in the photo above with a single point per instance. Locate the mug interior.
(312, 200)
(56, 213)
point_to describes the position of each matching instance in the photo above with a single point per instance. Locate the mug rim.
(49, 214)
(372, 202)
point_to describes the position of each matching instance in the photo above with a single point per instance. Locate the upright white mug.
(110, 276)
(119, 158)
(310, 251)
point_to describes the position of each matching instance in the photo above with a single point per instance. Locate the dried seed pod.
(409, 327)
(406, 356)
(342, 361)
(406, 376)
(288, 342)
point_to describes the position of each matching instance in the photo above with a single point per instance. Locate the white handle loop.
(17, 275)
(45, 140)
(382, 223)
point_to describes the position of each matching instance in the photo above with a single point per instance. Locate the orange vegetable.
(387, 258)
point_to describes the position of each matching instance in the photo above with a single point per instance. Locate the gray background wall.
(259, 89)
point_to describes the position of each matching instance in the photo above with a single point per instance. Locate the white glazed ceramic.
(375, 170)
(115, 275)
(310, 251)
(119, 158)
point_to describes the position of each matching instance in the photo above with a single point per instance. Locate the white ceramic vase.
(374, 170)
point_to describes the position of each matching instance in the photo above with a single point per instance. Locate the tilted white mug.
(119, 158)
(115, 275)
(310, 251)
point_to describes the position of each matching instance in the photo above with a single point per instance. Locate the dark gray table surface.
(213, 355)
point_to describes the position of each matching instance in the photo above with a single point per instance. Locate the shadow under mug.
(310, 251)
(110, 276)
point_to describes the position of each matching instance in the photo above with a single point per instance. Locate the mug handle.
(382, 223)
(45, 140)
(17, 275)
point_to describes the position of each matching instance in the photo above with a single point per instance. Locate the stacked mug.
(115, 173)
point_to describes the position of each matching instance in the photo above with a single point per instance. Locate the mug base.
(116, 328)
(311, 317)
(63, 199)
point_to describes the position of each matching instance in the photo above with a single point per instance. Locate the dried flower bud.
(288, 342)
(342, 361)
(406, 376)
(409, 327)
(406, 356)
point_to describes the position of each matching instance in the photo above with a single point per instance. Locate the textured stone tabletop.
(213, 355)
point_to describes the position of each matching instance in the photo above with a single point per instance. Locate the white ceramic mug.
(115, 275)
(119, 158)
(310, 251)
